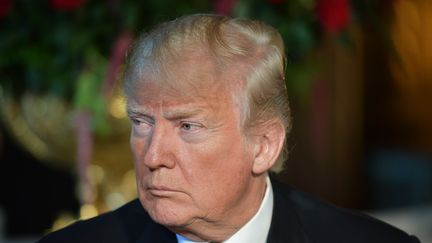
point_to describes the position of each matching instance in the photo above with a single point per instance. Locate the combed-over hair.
(232, 42)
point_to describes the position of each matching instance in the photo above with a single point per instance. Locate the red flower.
(5, 6)
(224, 7)
(334, 15)
(66, 5)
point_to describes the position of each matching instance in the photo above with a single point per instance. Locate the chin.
(166, 213)
(169, 218)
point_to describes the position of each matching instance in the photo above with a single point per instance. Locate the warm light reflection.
(412, 38)
(96, 174)
(117, 107)
(115, 200)
(41, 125)
(88, 211)
(128, 185)
(411, 33)
(62, 221)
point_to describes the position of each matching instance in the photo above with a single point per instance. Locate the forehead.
(191, 73)
(191, 80)
(193, 66)
(152, 98)
(190, 69)
(192, 86)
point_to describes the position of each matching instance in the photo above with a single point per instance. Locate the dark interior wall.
(397, 147)
(32, 194)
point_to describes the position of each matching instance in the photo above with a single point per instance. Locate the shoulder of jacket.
(107, 227)
(322, 220)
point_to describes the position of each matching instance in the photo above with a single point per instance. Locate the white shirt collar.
(257, 228)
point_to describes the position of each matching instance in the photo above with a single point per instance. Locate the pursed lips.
(161, 191)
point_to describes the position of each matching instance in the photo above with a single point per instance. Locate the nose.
(160, 150)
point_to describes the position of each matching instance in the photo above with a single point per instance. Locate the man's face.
(193, 163)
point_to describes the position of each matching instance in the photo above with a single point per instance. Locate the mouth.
(161, 191)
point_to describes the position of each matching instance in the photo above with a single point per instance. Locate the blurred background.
(359, 76)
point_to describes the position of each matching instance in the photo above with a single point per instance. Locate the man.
(207, 99)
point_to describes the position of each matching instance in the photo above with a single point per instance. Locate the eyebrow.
(136, 111)
(170, 115)
(182, 114)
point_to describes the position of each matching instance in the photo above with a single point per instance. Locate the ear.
(268, 144)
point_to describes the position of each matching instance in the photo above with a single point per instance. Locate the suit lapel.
(285, 226)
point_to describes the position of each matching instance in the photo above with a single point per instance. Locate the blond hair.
(231, 42)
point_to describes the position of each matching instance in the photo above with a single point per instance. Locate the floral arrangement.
(75, 48)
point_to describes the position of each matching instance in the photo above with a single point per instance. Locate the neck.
(227, 224)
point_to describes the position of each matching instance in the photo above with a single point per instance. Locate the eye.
(189, 127)
(140, 126)
(138, 122)
(135, 122)
(192, 132)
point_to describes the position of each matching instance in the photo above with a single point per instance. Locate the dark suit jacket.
(297, 218)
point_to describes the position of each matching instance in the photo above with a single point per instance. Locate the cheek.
(224, 178)
(219, 165)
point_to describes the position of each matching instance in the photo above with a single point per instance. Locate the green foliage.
(45, 49)
(88, 95)
(65, 52)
